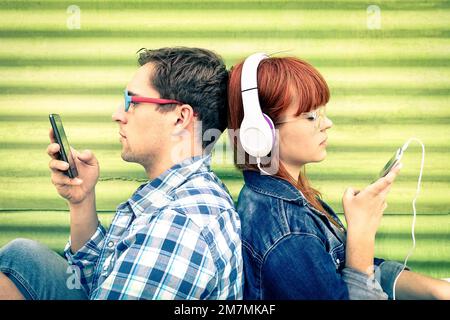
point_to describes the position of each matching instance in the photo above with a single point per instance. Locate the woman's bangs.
(309, 86)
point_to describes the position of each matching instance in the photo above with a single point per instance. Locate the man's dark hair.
(194, 76)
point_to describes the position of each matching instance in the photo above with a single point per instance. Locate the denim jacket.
(292, 251)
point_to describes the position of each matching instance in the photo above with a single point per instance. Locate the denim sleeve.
(300, 267)
(86, 257)
(387, 274)
(362, 286)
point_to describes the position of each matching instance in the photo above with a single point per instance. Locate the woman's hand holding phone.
(363, 211)
(78, 189)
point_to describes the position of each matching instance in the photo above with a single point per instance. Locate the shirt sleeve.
(387, 273)
(167, 258)
(299, 267)
(86, 257)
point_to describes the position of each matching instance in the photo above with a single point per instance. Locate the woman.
(294, 245)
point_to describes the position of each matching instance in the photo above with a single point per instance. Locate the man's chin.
(127, 157)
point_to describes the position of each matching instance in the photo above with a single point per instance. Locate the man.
(178, 236)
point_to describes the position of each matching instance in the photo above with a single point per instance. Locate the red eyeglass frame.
(130, 99)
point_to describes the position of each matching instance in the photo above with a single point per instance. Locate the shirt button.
(110, 244)
(338, 261)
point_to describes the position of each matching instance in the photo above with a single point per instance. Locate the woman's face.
(302, 140)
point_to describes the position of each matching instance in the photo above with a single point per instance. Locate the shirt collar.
(155, 194)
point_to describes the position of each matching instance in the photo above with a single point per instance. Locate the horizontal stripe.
(230, 60)
(342, 147)
(224, 19)
(301, 33)
(224, 5)
(335, 90)
(227, 177)
(50, 229)
(365, 118)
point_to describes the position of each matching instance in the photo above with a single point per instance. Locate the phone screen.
(61, 138)
(391, 163)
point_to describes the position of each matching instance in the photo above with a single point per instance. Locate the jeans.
(40, 273)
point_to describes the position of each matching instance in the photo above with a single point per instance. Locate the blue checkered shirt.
(177, 237)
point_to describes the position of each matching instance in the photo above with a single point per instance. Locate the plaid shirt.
(177, 237)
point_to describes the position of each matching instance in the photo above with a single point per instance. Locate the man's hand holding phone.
(78, 189)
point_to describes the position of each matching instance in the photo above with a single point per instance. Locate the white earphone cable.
(411, 250)
(258, 162)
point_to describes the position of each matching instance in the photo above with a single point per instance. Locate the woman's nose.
(327, 123)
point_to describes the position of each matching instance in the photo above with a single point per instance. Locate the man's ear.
(184, 117)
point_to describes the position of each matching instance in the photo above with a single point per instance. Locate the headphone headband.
(249, 79)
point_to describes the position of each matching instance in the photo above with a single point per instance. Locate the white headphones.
(257, 132)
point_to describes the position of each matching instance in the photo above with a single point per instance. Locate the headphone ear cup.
(257, 136)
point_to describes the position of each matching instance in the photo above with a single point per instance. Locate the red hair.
(279, 80)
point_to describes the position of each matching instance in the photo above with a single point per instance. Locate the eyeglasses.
(129, 99)
(318, 116)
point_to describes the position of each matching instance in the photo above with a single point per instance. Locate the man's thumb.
(87, 156)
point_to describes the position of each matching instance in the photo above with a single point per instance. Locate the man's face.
(144, 132)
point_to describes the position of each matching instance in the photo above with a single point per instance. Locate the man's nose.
(119, 114)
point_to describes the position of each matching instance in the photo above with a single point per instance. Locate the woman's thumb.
(350, 193)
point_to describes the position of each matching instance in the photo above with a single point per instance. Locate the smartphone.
(64, 151)
(391, 163)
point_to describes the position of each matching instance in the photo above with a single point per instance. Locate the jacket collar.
(279, 188)
(273, 186)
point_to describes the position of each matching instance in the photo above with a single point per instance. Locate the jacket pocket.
(338, 255)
